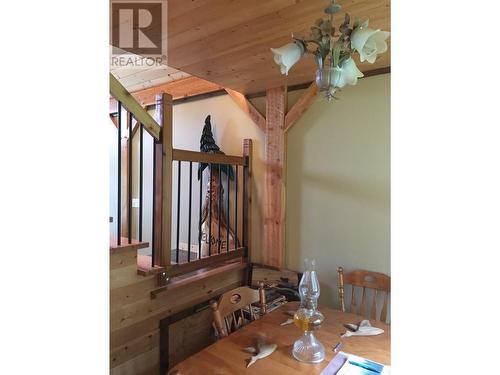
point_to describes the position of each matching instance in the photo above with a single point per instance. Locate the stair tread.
(124, 245)
(144, 266)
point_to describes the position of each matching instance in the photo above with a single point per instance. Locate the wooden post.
(163, 182)
(166, 137)
(157, 209)
(275, 125)
(274, 195)
(247, 204)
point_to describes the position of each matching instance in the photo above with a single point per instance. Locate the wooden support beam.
(181, 88)
(248, 108)
(301, 106)
(274, 191)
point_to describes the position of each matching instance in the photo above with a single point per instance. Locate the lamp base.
(308, 349)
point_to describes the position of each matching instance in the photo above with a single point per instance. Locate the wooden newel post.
(247, 205)
(163, 182)
(247, 196)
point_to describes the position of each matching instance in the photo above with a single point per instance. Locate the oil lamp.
(308, 318)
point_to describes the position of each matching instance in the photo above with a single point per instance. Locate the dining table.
(226, 356)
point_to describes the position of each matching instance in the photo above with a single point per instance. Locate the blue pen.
(337, 347)
(364, 366)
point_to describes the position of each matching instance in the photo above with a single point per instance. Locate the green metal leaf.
(337, 47)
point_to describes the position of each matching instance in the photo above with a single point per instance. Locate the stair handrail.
(128, 101)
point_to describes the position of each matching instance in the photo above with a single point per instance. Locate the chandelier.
(334, 51)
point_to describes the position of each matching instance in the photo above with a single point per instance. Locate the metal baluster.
(201, 198)
(178, 209)
(218, 215)
(119, 213)
(228, 211)
(189, 215)
(210, 213)
(129, 203)
(141, 173)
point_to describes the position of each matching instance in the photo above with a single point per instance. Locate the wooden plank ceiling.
(227, 41)
(140, 78)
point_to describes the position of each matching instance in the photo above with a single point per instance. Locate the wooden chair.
(225, 311)
(378, 282)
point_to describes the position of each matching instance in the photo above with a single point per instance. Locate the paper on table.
(364, 329)
(340, 365)
(335, 364)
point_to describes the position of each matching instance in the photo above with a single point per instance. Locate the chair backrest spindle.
(379, 283)
(373, 310)
(225, 318)
(353, 300)
(364, 307)
(341, 290)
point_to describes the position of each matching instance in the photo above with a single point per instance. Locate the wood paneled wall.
(135, 316)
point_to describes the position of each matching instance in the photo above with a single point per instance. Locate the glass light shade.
(369, 43)
(287, 56)
(325, 80)
(308, 318)
(331, 78)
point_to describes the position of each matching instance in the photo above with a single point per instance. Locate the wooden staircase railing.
(162, 169)
(164, 157)
(125, 99)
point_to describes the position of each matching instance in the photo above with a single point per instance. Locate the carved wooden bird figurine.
(207, 144)
(262, 351)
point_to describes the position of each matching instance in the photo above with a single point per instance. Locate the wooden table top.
(226, 355)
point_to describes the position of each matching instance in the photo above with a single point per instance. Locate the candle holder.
(308, 318)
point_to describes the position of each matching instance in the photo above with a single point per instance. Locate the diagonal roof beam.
(248, 108)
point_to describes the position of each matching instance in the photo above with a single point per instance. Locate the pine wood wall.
(135, 316)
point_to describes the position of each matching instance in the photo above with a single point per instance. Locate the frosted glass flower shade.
(338, 77)
(287, 56)
(369, 43)
(348, 73)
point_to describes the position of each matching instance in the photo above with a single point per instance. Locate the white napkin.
(364, 329)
